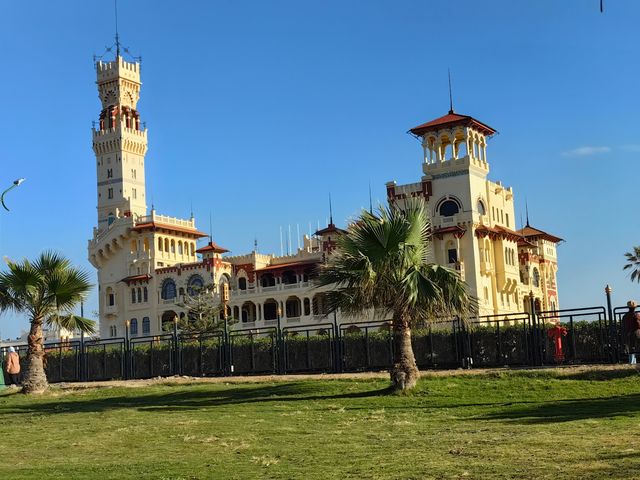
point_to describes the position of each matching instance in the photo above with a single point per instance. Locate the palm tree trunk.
(404, 374)
(34, 378)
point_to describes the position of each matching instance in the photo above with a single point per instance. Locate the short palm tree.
(381, 262)
(47, 289)
(633, 263)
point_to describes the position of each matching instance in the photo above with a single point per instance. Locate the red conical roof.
(452, 119)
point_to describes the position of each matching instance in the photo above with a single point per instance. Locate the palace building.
(473, 220)
(148, 262)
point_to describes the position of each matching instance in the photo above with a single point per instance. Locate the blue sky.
(258, 110)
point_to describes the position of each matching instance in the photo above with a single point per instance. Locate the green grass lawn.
(526, 424)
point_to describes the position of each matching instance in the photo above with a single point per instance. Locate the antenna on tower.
(210, 228)
(115, 4)
(330, 211)
(450, 94)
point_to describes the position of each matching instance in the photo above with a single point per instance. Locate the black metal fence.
(587, 335)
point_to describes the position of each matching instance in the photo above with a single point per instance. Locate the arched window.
(481, 208)
(242, 283)
(146, 326)
(292, 307)
(139, 295)
(134, 326)
(270, 309)
(180, 251)
(168, 289)
(536, 277)
(193, 249)
(133, 295)
(195, 285)
(145, 294)
(166, 245)
(289, 277)
(173, 246)
(159, 244)
(448, 208)
(111, 297)
(267, 280)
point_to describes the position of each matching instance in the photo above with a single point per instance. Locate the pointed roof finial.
(115, 4)
(330, 211)
(450, 94)
(255, 244)
(370, 201)
(526, 206)
(210, 228)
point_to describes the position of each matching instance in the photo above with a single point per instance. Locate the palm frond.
(72, 323)
(381, 263)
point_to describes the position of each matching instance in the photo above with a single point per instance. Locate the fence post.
(535, 339)
(336, 343)
(279, 352)
(127, 351)
(613, 337)
(176, 348)
(81, 359)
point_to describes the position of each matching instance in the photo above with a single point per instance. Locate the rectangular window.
(146, 326)
(134, 193)
(112, 299)
(110, 193)
(452, 255)
(493, 213)
(507, 215)
(109, 172)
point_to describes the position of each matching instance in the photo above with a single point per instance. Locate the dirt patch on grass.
(585, 371)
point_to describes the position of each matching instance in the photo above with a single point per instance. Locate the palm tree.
(47, 290)
(382, 263)
(633, 261)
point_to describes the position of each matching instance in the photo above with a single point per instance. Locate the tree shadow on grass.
(570, 410)
(191, 398)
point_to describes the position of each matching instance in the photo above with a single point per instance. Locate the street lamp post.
(15, 184)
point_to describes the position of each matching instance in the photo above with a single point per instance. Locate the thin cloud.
(630, 148)
(586, 151)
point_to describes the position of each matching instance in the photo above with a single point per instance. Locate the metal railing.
(588, 335)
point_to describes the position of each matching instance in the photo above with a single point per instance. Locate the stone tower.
(119, 143)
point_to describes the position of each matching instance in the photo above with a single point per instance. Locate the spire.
(210, 228)
(450, 94)
(526, 206)
(370, 201)
(115, 4)
(330, 211)
(255, 244)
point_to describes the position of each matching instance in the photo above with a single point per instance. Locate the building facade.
(149, 263)
(473, 220)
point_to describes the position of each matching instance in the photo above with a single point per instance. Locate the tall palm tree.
(633, 262)
(382, 263)
(47, 289)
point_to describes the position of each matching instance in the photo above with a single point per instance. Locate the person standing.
(13, 367)
(631, 331)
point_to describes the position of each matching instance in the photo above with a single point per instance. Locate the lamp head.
(18, 181)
